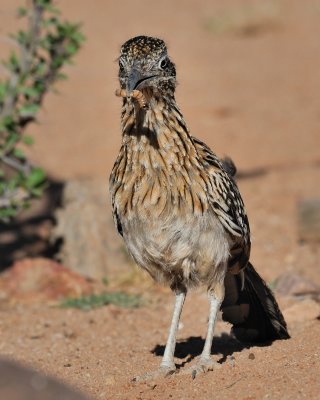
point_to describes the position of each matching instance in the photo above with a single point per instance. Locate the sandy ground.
(101, 350)
(248, 86)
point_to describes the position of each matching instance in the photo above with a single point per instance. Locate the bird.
(178, 208)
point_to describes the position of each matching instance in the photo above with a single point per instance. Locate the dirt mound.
(41, 280)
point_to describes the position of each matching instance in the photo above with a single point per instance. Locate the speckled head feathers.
(143, 63)
(143, 47)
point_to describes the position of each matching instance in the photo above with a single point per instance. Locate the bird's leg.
(167, 366)
(168, 357)
(205, 362)
(215, 303)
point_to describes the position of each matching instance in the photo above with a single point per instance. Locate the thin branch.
(13, 163)
(26, 57)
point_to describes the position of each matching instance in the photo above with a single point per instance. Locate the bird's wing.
(114, 186)
(227, 204)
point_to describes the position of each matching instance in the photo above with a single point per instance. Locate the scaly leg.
(168, 357)
(205, 362)
(167, 366)
(215, 304)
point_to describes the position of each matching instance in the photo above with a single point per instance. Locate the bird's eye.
(163, 63)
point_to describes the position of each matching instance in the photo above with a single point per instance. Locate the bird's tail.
(251, 308)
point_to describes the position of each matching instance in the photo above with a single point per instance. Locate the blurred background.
(249, 80)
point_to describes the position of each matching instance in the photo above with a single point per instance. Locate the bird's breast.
(187, 246)
(152, 182)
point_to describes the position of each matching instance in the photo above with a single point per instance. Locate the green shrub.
(44, 47)
(119, 299)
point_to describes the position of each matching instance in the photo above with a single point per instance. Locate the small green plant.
(273, 284)
(44, 47)
(105, 281)
(119, 299)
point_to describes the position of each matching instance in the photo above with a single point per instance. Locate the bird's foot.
(202, 366)
(162, 372)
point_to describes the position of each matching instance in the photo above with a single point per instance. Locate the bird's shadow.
(224, 345)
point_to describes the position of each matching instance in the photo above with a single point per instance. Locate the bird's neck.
(157, 134)
(158, 165)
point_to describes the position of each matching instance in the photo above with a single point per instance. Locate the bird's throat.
(159, 127)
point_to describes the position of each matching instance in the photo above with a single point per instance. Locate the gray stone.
(90, 243)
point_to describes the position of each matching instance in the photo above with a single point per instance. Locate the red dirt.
(250, 92)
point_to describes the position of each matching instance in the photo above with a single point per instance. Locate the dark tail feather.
(253, 309)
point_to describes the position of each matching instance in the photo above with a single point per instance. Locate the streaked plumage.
(177, 205)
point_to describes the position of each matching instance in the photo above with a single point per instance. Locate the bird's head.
(144, 63)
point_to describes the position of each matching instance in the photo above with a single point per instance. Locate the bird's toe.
(202, 366)
(162, 372)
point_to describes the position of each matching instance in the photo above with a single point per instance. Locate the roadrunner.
(179, 209)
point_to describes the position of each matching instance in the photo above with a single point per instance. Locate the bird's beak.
(137, 80)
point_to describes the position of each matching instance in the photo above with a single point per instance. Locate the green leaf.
(7, 212)
(18, 153)
(13, 183)
(50, 22)
(35, 178)
(28, 140)
(2, 187)
(37, 192)
(49, 7)
(22, 11)
(78, 36)
(7, 124)
(29, 91)
(71, 48)
(57, 62)
(62, 76)
(29, 110)
(12, 139)
(41, 68)
(3, 90)
(13, 63)
(22, 38)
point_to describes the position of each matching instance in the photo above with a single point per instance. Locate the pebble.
(302, 311)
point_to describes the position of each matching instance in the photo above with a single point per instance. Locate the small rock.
(291, 284)
(152, 385)
(231, 360)
(306, 310)
(34, 337)
(69, 334)
(309, 220)
(90, 243)
(251, 356)
(41, 280)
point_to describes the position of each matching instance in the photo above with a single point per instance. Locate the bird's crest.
(143, 47)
